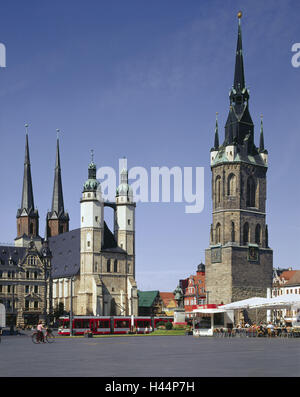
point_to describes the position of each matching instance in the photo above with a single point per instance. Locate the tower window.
(231, 186)
(257, 234)
(96, 219)
(232, 232)
(31, 228)
(108, 266)
(115, 266)
(218, 190)
(246, 233)
(129, 222)
(218, 233)
(88, 243)
(250, 192)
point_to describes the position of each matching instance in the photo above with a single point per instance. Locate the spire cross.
(26, 128)
(92, 155)
(57, 133)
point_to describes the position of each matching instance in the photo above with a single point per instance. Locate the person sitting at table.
(270, 329)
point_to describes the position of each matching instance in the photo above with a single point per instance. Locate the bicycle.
(48, 337)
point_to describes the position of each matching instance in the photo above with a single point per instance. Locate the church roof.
(65, 249)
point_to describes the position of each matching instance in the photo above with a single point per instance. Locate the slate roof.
(65, 249)
(7, 252)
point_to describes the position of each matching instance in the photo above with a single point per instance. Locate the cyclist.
(39, 329)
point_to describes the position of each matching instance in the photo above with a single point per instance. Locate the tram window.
(103, 323)
(85, 323)
(78, 323)
(122, 324)
(66, 324)
(143, 323)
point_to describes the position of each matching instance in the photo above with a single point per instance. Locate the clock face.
(253, 254)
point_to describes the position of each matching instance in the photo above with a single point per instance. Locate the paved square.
(159, 356)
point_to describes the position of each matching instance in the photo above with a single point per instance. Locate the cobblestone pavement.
(157, 356)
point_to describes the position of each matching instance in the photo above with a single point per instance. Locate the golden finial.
(240, 14)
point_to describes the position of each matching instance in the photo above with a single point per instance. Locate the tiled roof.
(167, 297)
(294, 279)
(287, 274)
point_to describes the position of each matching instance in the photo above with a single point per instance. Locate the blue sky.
(144, 79)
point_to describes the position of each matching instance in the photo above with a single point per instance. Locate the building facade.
(239, 259)
(25, 269)
(94, 264)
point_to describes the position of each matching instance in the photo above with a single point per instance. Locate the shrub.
(169, 325)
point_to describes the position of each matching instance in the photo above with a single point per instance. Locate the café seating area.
(255, 331)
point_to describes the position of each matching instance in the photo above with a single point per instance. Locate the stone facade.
(239, 261)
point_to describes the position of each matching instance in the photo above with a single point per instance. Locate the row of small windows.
(11, 289)
(28, 274)
(246, 233)
(11, 305)
(232, 188)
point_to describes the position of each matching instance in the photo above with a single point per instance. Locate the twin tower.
(105, 284)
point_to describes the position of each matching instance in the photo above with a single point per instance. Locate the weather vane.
(92, 155)
(26, 128)
(57, 133)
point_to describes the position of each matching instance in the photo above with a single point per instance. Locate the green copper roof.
(146, 298)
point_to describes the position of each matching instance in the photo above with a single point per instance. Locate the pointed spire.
(239, 76)
(261, 141)
(57, 198)
(216, 145)
(27, 193)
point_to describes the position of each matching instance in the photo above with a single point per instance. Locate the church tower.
(27, 215)
(57, 219)
(91, 242)
(239, 261)
(125, 219)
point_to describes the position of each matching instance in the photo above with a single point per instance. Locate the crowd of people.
(261, 329)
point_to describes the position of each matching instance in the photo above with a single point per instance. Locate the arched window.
(250, 192)
(108, 266)
(257, 234)
(218, 233)
(232, 232)
(246, 233)
(31, 228)
(231, 185)
(218, 190)
(115, 266)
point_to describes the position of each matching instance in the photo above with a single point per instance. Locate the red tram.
(104, 325)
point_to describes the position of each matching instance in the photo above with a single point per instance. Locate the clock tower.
(239, 261)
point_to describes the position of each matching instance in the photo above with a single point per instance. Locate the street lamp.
(71, 305)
